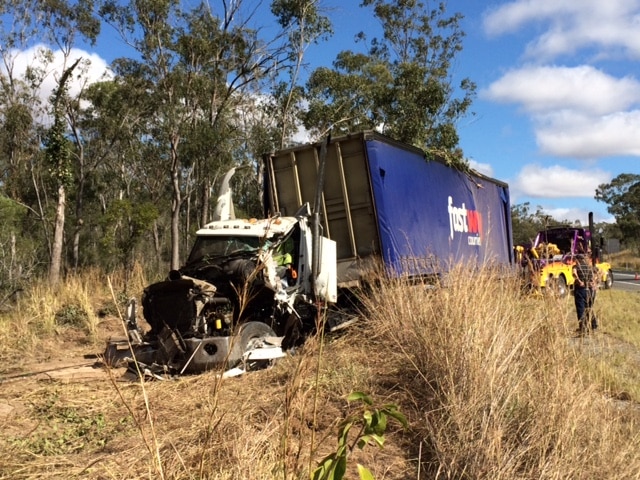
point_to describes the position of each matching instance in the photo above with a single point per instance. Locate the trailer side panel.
(386, 200)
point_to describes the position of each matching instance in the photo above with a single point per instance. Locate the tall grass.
(613, 361)
(624, 260)
(44, 312)
(493, 384)
(495, 389)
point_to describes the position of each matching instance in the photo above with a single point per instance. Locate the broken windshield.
(209, 247)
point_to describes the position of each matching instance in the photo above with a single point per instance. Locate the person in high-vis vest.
(284, 261)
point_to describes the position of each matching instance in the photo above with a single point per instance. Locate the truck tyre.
(561, 287)
(250, 335)
(608, 282)
(557, 286)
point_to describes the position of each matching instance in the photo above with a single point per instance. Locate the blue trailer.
(387, 203)
(384, 207)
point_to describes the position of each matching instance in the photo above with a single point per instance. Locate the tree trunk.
(79, 223)
(156, 246)
(13, 260)
(79, 196)
(58, 237)
(206, 194)
(176, 203)
(41, 208)
(175, 232)
(76, 245)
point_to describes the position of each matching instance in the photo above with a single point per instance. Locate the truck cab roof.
(266, 228)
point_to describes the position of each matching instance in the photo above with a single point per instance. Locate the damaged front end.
(218, 311)
(247, 291)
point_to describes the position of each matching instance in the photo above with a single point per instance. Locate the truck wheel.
(608, 282)
(251, 335)
(557, 286)
(561, 287)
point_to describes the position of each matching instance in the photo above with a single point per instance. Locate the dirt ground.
(64, 415)
(63, 404)
(72, 358)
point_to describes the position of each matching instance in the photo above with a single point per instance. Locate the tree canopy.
(402, 84)
(127, 164)
(622, 196)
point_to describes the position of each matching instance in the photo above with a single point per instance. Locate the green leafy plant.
(72, 315)
(371, 425)
(69, 429)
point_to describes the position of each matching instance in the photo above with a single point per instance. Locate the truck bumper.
(212, 352)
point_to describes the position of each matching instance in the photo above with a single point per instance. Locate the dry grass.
(624, 260)
(499, 389)
(45, 316)
(613, 360)
(493, 386)
(618, 310)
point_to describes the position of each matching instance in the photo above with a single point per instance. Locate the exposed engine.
(229, 294)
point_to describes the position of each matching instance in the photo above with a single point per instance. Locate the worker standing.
(584, 294)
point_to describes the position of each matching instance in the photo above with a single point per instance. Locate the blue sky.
(558, 110)
(558, 105)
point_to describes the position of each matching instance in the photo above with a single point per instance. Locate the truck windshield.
(206, 248)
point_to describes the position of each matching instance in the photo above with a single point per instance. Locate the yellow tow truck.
(547, 265)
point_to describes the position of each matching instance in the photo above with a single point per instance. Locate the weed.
(371, 426)
(64, 429)
(72, 316)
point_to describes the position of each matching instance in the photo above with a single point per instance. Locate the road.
(627, 281)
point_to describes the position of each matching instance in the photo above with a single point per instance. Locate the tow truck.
(547, 265)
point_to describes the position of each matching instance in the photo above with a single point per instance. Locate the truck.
(547, 264)
(345, 211)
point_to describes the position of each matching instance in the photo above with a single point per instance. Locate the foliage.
(18, 252)
(202, 88)
(305, 24)
(201, 69)
(57, 145)
(124, 225)
(527, 224)
(622, 196)
(72, 315)
(371, 425)
(401, 85)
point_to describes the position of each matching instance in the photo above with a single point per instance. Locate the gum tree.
(199, 66)
(402, 85)
(622, 196)
(25, 24)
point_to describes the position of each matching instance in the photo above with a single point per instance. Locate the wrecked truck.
(346, 211)
(233, 298)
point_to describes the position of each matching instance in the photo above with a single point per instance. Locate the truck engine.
(229, 298)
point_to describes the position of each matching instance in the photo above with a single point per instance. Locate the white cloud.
(558, 182)
(572, 215)
(483, 168)
(509, 17)
(92, 69)
(578, 112)
(583, 88)
(571, 135)
(572, 25)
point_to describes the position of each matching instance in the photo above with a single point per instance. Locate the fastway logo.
(462, 220)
